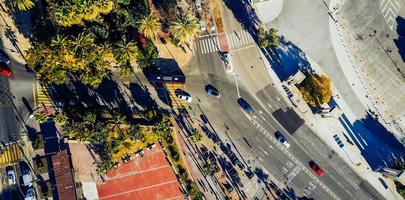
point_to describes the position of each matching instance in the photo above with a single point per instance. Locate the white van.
(26, 176)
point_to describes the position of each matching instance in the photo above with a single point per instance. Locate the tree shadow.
(287, 59)
(378, 146)
(400, 42)
(22, 19)
(243, 13)
(141, 96)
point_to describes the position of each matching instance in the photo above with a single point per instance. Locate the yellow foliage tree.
(75, 12)
(316, 90)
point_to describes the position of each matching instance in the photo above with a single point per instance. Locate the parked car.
(10, 175)
(30, 194)
(182, 95)
(26, 175)
(245, 106)
(5, 64)
(316, 168)
(280, 137)
(211, 90)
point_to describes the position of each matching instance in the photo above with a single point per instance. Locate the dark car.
(245, 106)
(5, 64)
(280, 137)
(316, 168)
(212, 91)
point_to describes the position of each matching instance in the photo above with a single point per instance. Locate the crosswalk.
(390, 10)
(210, 44)
(176, 103)
(40, 96)
(10, 154)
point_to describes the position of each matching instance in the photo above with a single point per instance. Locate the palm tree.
(125, 51)
(59, 43)
(149, 26)
(185, 28)
(82, 43)
(24, 4)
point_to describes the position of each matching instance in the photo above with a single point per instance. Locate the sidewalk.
(13, 41)
(355, 70)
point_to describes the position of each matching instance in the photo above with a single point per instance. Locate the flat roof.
(147, 177)
(63, 176)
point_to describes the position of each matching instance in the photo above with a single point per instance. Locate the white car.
(11, 176)
(185, 97)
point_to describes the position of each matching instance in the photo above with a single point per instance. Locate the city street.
(249, 79)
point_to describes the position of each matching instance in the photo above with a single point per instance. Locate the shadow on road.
(400, 42)
(377, 145)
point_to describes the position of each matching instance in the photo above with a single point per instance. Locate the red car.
(5, 64)
(316, 168)
(5, 70)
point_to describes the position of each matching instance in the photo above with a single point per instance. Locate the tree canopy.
(316, 89)
(268, 38)
(185, 28)
(76, 12)
(74, 57)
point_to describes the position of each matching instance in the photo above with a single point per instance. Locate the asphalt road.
(287, 165)
(15, 92)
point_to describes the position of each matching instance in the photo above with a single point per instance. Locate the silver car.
(11, 176)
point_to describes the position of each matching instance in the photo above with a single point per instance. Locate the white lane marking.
(202, 46)
(268, 144)
(260, 159)
(264, 151)
(237, 86)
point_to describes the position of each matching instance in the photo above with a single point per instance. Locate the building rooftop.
(147, 177)
(63, 175)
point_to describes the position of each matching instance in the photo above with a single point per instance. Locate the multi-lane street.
(249, 79)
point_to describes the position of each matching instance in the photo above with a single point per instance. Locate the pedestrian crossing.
(10, 154)
(390, 10)
(40, 96)
(176, 103)
(210, 44)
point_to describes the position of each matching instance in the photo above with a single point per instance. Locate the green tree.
(185, 28)
(316, 90)
(74, 57)
(41, 117)
(61, 118)
(209, 169)
(23, 4)
(103, 166)
(147, 55)
(76, 12)
(90, 118)
(125, 51)
(196, 136)
(263, 41)
(149, 26)
(273, 38)
(268, 38)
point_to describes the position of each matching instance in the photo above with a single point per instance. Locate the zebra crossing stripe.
(230, 41)
(216, 44)
(202, 46)
(211, 45)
